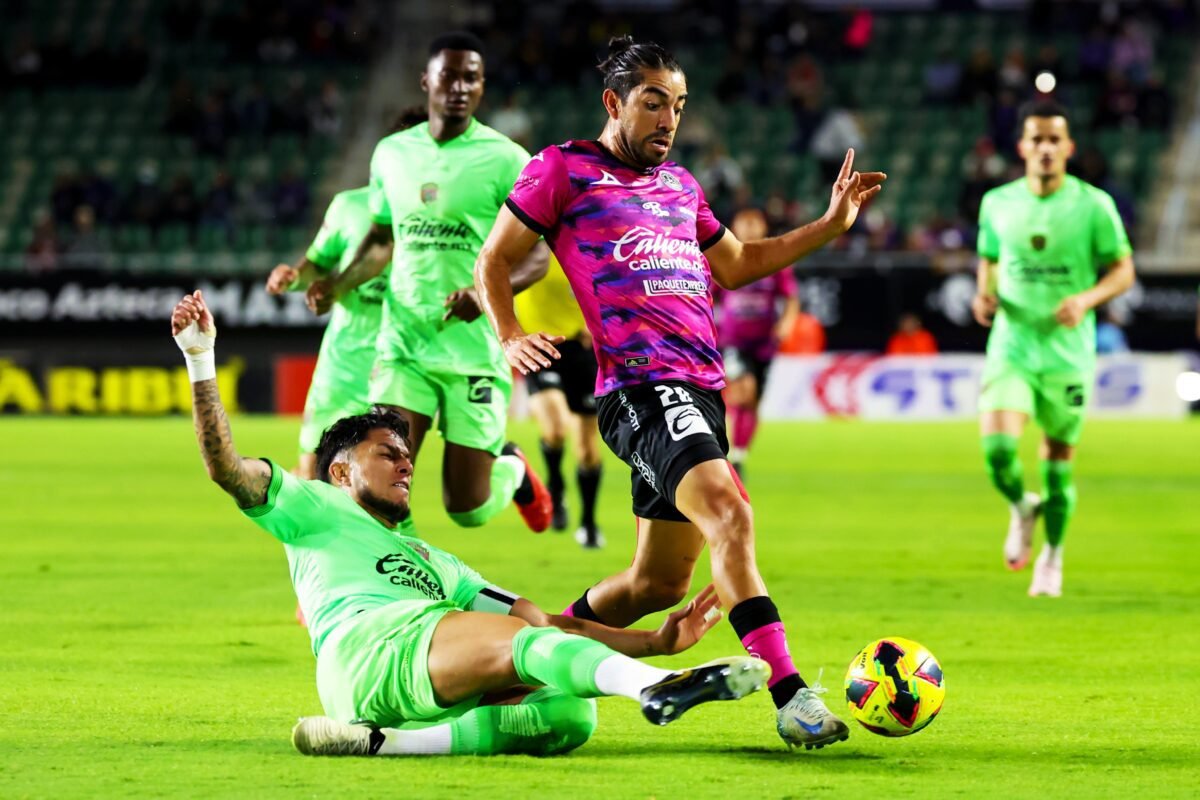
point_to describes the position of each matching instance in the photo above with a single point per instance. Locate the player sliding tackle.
(641, 248)
(406, 634)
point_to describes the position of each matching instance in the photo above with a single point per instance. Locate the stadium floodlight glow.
(1187, 385)
(1045, 82)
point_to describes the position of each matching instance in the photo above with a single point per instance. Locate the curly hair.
(350, 431)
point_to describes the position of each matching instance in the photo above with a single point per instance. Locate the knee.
(468, 519)
(725, 514)
(657, 591)
(573, 720)
(999, 450)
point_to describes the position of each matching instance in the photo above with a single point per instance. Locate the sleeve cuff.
(710, 241)
(272, 492)
(529, 221)
(320, 259)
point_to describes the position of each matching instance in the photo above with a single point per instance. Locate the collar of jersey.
(463, 137)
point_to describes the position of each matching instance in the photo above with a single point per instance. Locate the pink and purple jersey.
(631, 242)
(747, 316)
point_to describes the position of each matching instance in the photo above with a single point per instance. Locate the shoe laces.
(810, 698)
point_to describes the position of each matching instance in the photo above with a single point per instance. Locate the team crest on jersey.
(1038, 241)
(420, 550)
(669, 180)
(429, 192)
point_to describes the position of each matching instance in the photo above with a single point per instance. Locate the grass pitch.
(150, 648)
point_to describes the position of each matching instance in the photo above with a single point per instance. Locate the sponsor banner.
(947, 386)
(128, 302)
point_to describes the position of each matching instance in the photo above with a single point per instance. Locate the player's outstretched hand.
(850, 191)
(983, 306)
(319, 296)
(192, 324)
(685, 627)
(281, 278)
(531, 352)
(1071, 311)
(462, 304)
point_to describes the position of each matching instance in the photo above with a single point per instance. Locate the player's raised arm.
(508, 246)
(244, 479)
(681, 629)
(735, 263)
(373, 254)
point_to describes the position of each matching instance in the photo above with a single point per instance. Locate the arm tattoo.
(244, 479)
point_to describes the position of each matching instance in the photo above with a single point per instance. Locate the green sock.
(1004, 468)
(507, 472)
(550, 657)
(545, 723)
(1059, 503)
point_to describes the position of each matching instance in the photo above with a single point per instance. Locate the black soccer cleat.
(724, 679)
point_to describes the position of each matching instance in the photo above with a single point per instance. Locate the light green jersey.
(1047, 248)
(344, 561)
(441, 201)
(354, 321)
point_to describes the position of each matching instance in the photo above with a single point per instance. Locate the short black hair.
(456, 40)
(1041, 108)
(622, 70)
(350, 431)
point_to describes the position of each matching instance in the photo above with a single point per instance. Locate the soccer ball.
(894, 687)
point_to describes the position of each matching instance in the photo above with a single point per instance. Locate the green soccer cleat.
(322, 736)
(724, 679)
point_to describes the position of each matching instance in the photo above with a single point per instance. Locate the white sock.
(1052, 555)
(737, 454)
(431, 741)
(625, 677)
(1026, 504)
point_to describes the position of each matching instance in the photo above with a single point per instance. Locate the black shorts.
(574, 375)
(662, 430)
(740, 362)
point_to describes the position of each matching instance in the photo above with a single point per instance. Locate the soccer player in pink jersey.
(750, 323)
(641, 249)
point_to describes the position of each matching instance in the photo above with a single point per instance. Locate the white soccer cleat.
(805, 720)
(723, 679)
(589, 538)
(1018, 545)
(1047, 576)
(322, 736)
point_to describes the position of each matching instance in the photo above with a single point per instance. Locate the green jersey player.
(435, 192)
(1043, 242)
(411, 643)
(339, 382)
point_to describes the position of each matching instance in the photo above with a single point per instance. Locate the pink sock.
(770, 644)
(745, 422)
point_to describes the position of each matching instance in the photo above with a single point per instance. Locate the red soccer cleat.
(539, 510)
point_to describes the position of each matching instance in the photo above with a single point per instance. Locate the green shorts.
(334, 394)
(375, 666)
(1056, 400)
(472, 410)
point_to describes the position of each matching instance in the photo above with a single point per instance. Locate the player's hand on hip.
(531, 352)
(1071, 311)
(983, 307)
(685, 627)
(850, 191)
(462, 304)
(192, 324)
(319, 297)
(281, 278)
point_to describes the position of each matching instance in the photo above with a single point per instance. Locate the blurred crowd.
(195, 191)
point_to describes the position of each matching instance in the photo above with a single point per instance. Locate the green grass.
(149, 647)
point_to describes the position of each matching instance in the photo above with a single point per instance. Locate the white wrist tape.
(198, 352)
(202, 366)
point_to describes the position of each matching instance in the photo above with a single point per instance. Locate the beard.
(392, 511)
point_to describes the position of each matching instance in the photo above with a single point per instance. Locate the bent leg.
(658, 578)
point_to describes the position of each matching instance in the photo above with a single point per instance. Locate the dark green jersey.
(1047, 249)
